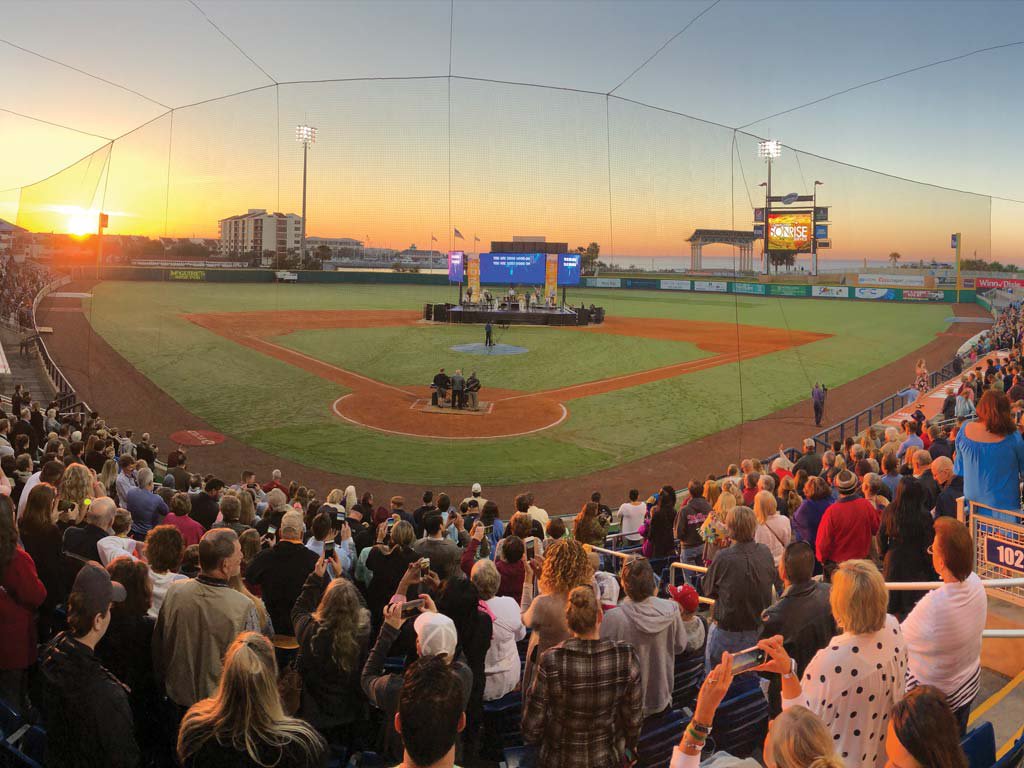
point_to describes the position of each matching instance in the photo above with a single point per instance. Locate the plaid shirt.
(585, 704)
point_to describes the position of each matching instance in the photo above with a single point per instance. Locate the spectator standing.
(147, 508)
(807, 518)
(990, 457)
(564, 568)
(773, 529)
(436, 636)
(653, 627)
(332, 628)
(951, 488)
(206, 505)
(431, 714)
(847, 527)
(41, 538)
(281, 570)
(125, 479)
(501, 666)
(49, 474)
(592, 730)
(81, 541)
(904, 538)
(179, 515)
(243, 723)
(940, 445)
(444, 554)
(689, 522)
(199, 620)
(88, 718)
(388, 561)
(802, 615)
(231, 513)
(21, 594)
(659, 531)
(165, 549)
(853, 683)
(892, 475)
(740, 581)
(922, 464)
(275, 482)
(587, 528)
(810, 459)
(631, 517)
(943, 631)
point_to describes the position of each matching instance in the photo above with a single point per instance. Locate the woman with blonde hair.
(788, 498)
(247, 513)
(243, 722)
(333, 631)
(108, 477)
(76, 486)
(351, 499)
(853, 682)
(712, 491)
(773, 529)
(796, 739)
(565, 567)
(714, 530)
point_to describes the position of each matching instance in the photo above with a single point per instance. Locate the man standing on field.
(818, 400)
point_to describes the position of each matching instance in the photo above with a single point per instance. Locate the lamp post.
(305, 135)
(814, 226)
(768, 149)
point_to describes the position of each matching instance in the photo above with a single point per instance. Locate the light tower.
(306, 135)
(768, 149)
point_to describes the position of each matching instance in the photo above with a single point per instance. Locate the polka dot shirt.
(852, 685)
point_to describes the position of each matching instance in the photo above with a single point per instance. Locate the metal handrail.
(67, 398)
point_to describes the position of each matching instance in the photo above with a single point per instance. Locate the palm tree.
(894, 258)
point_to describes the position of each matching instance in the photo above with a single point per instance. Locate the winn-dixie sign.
(985, 283)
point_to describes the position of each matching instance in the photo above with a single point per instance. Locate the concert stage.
(501, 315)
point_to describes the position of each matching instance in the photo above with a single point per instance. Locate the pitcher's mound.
(483, 349)
(424, 406)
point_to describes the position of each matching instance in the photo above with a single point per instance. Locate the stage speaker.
(428, 311)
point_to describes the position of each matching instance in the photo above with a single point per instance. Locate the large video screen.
(512, 268)
(568, 269)
(456, 262)
(789, 231)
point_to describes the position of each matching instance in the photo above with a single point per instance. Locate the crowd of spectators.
(147, 607)
(20, 281)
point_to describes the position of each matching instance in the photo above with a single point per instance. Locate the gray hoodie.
(655, 629)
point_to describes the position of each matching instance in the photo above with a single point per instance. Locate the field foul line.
(552, 425)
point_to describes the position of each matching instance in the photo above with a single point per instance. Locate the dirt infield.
(393, 410)
(111, 385)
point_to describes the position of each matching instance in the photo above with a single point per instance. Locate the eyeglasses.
(931, 549)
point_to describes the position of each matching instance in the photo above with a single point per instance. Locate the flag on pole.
(476, 239)
(433, 239)
(458, 234)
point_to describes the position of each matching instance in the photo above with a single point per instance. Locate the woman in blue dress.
(990, 457)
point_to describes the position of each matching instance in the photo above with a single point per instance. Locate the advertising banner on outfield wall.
(924, 295)
(986, 283)
(891, 280)
(715, 286)
(830, 292)
(749, 288)
(675, 285)
(604, 282)
(888, 294)
(789, 290)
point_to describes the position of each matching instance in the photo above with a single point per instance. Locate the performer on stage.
(488, 335)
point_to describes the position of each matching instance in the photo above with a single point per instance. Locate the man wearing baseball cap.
(810, 461)
(476, 492)
(435, 636)
(88, 718)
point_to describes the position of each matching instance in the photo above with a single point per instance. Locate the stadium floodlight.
(305, 135)
(769, 149)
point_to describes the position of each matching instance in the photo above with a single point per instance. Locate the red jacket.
(21, 595)
(512, 574)
(846, 530)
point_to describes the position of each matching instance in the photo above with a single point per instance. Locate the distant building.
(260, 232)
(528, 244)
(7, 233)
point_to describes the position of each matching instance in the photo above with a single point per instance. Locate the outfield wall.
(736, 287)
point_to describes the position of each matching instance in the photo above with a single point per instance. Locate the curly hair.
(76, 485)
(341, 615)
(566, 565)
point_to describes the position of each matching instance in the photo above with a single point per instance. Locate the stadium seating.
(660, 734)
(741, 723)
(689, 674)
(980, 746)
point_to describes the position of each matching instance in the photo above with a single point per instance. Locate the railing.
(66, 397)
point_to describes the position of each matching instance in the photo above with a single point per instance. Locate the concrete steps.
(27, 371)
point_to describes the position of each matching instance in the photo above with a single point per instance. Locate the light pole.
(768, 149)
(306, 135)
(814, 227)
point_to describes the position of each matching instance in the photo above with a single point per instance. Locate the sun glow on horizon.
(82, 222)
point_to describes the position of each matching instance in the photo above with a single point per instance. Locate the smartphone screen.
(425, 564)
(411, 608)
(271, 530)
(531, 550)
(488, 530)
(328, 548)
(748, 659)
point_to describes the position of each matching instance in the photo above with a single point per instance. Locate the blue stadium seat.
(10, 721)
(741, 723)
(980, 746)
(33, 744)
(688, 676)
(659, 735)
(1014, 757)
(502, 725)
(10, 757)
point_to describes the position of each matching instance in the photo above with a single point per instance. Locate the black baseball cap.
(98, 589)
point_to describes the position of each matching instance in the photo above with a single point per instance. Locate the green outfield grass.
(285, 411)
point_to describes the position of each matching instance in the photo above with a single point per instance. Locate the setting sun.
(83, 222)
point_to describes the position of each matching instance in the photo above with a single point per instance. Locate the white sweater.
(943, 635)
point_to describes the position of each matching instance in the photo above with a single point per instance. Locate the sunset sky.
(389, 167)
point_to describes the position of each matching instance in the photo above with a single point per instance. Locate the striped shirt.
(943, 634)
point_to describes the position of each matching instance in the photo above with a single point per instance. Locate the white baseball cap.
(437, 634)
(808, 442)
(477, 488)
